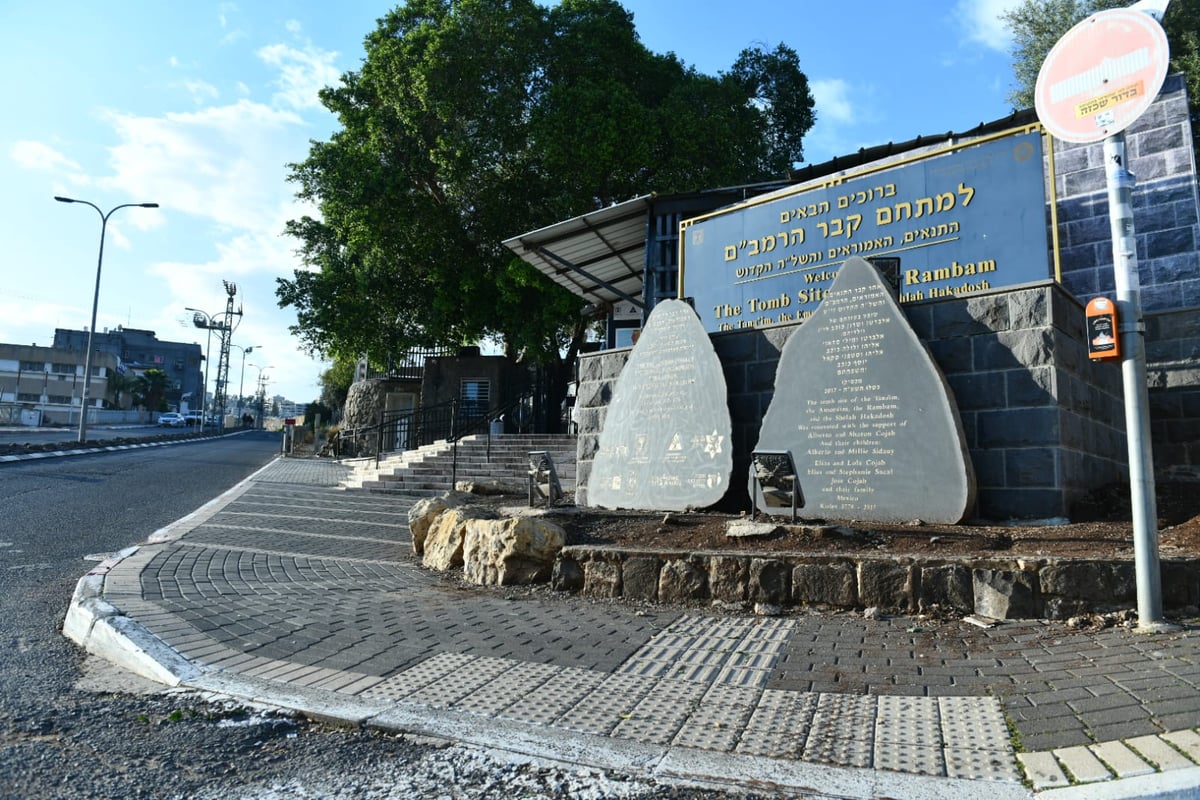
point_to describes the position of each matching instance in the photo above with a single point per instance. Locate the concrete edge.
(678, 766)
(114, 448)
(1180, 784)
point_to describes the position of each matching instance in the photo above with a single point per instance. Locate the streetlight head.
(65, 199)
(148, 205)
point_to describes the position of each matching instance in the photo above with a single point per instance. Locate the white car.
(171, 419)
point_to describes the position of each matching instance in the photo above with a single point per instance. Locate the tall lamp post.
(242, 379)
(202, 319)
(87, 359)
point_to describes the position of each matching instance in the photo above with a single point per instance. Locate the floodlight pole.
(1133, 375)
(87, 359)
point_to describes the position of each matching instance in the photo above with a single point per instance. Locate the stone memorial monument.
(664, 444)
(865, 411)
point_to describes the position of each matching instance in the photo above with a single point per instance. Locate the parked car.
(171, 419)
(193, 419)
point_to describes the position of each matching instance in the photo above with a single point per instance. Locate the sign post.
(1096, 81)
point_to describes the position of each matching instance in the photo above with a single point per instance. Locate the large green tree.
(471, 121)
(1037, 24)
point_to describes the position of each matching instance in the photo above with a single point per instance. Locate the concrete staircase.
(428, 469)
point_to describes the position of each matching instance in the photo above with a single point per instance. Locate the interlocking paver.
(299, 582)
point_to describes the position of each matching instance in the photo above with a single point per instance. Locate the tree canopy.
(1037, 24)
(471, 121)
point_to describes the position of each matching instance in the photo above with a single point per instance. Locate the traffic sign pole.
(1133, 375)
(1096, 81)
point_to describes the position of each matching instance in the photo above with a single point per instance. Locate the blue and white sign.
(963, 220)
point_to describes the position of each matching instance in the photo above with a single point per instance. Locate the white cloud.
(201, 91)
(303, 73)
(981, 23)
(831, 96)
(40, 156)
(224, 163)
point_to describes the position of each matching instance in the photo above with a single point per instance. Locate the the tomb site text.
(851, 428)
(786, 307)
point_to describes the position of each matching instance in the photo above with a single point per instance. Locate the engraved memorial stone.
(665, 440)
(866, 412)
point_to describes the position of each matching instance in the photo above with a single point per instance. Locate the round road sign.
(1101, 75)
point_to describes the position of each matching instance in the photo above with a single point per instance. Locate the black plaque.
(665, 441)
(866, 412)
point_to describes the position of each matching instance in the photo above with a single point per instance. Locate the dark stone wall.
(1043, 423)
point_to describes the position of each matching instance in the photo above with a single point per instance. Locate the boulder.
(491, 486)
(443, 545)
(504, 552)
(423, 513)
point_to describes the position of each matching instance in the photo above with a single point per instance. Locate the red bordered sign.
(1101, 75)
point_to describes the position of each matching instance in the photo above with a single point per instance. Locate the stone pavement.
(290, 591)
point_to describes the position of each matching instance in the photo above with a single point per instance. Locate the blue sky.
(199, 106)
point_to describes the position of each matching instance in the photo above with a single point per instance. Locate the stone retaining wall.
(1003, 588)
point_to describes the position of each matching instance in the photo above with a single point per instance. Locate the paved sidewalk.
(289, 591)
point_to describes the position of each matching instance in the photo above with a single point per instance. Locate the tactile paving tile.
(418, 676)
(734, 651)
(603, 708)
(780, 724)
(555, 697)
(659, 715)
(972, 722)
(521, 679)
(914, 758)
(460, 684)
(908, 721)
(991, 765)
(839, 752)
(719, 719)
(844, 716)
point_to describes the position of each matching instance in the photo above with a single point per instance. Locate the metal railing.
(398, 431)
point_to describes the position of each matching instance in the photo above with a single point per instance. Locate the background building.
(45, 384)
(140, 350)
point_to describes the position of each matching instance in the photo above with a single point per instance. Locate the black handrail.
(473, 426)
(407, 430)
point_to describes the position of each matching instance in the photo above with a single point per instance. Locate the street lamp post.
(87, 359)
(242, 379)
(208, 323)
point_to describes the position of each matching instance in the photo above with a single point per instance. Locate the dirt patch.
(1102, 529)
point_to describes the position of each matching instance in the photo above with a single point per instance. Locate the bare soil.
(1101, 528)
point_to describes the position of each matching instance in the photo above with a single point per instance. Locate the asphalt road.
(73, 726)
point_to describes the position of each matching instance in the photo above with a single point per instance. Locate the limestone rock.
(443, 547)
(423, 513)
(490, 486)
(749, 529)
(511, 551)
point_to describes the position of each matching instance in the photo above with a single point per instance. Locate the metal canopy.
(599, 256)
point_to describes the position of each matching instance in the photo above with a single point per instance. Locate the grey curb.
(83, 451)
(101, 629)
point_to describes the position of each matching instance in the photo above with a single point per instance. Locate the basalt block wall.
(1043, 423)
(1167, 226)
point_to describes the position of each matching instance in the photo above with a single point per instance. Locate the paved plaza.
(291, 591)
